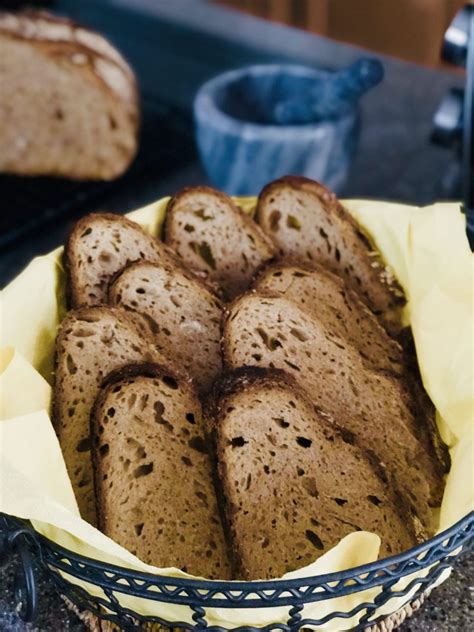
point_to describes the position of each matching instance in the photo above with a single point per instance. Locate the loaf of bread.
(99, 246)
(293, 485)
(307, 223)
(211, 234)
(91, 343)
(148, 432)
(185, 315)
(69, 100)
(375, 406)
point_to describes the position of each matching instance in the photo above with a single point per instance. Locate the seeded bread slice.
(185, 315)
(100, 245)
(91, 342)
(272, 331)
(293, 485)
(319, 292)
(211, 234)
(307, 222)
(147, 427)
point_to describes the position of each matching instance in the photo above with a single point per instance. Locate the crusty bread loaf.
(186, 315)
(307, 222)
(91, 342)
(344, 314)
(211, 234)
(70, 104)
(293, 485)
(272, 331)
(147, 428)
(100, 245)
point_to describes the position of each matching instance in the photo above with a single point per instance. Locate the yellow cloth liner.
(428, 252)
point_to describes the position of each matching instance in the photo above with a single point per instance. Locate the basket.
(437, 555)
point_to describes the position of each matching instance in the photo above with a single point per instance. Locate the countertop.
(395, 161)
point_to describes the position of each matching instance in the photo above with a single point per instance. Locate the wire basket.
(436, 555)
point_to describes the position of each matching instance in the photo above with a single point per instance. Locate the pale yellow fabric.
(428, 251)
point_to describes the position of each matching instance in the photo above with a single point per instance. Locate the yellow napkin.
(428, 252)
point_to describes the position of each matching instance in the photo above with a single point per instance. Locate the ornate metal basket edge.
(436, 554)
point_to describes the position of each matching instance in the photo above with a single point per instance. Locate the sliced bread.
(211, 234)
(185, 315)
(272, 331)
(91, 342)
(344, 314)
(100, 245)
(293, 485)
(70, 102)
(147, 426)
(307, 222)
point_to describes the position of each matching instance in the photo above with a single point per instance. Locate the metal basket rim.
(272, 584)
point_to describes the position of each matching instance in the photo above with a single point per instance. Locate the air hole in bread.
(86, 232)
(298, 334)
(257, 357)
(201, 213)
(84, 445)
(292, 366)
(198, 444)
(140, 290)
(338, 258)
(204, 251)
(340, 501)
(143, 470)
(171, 382)
(187, 461)
(293, 222)
(265, 542)
(248, 482)
(314, 539)
(238, 442)
(374, 500)
(300, 471)
(275, 217)
(111, 412)
(304, 442)
(189, 228)
(190, 417)
(309, 485)
(71, 365)
(112, 122)
(104, 449)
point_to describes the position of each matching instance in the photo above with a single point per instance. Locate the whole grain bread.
(213, 235)
(308, 223)
(345, 315)
(293, 485)
(100, 245)
(71, 107)
(271, 331)
(92, 341)
(148, 431)
(185, 315)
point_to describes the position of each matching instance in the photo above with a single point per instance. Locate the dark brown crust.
(243, 379)
(81, 224)
(332, 205)
(233, 207)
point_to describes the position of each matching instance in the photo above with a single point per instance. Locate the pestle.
(326, 99)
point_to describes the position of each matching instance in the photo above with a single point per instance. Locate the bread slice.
(91, 342)
(186, 315)
(147, 427)
(376, 407)
(307, 222)
(71, 107)
(100, 245)
(293, 485)
(211, 234)
(344, 314)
